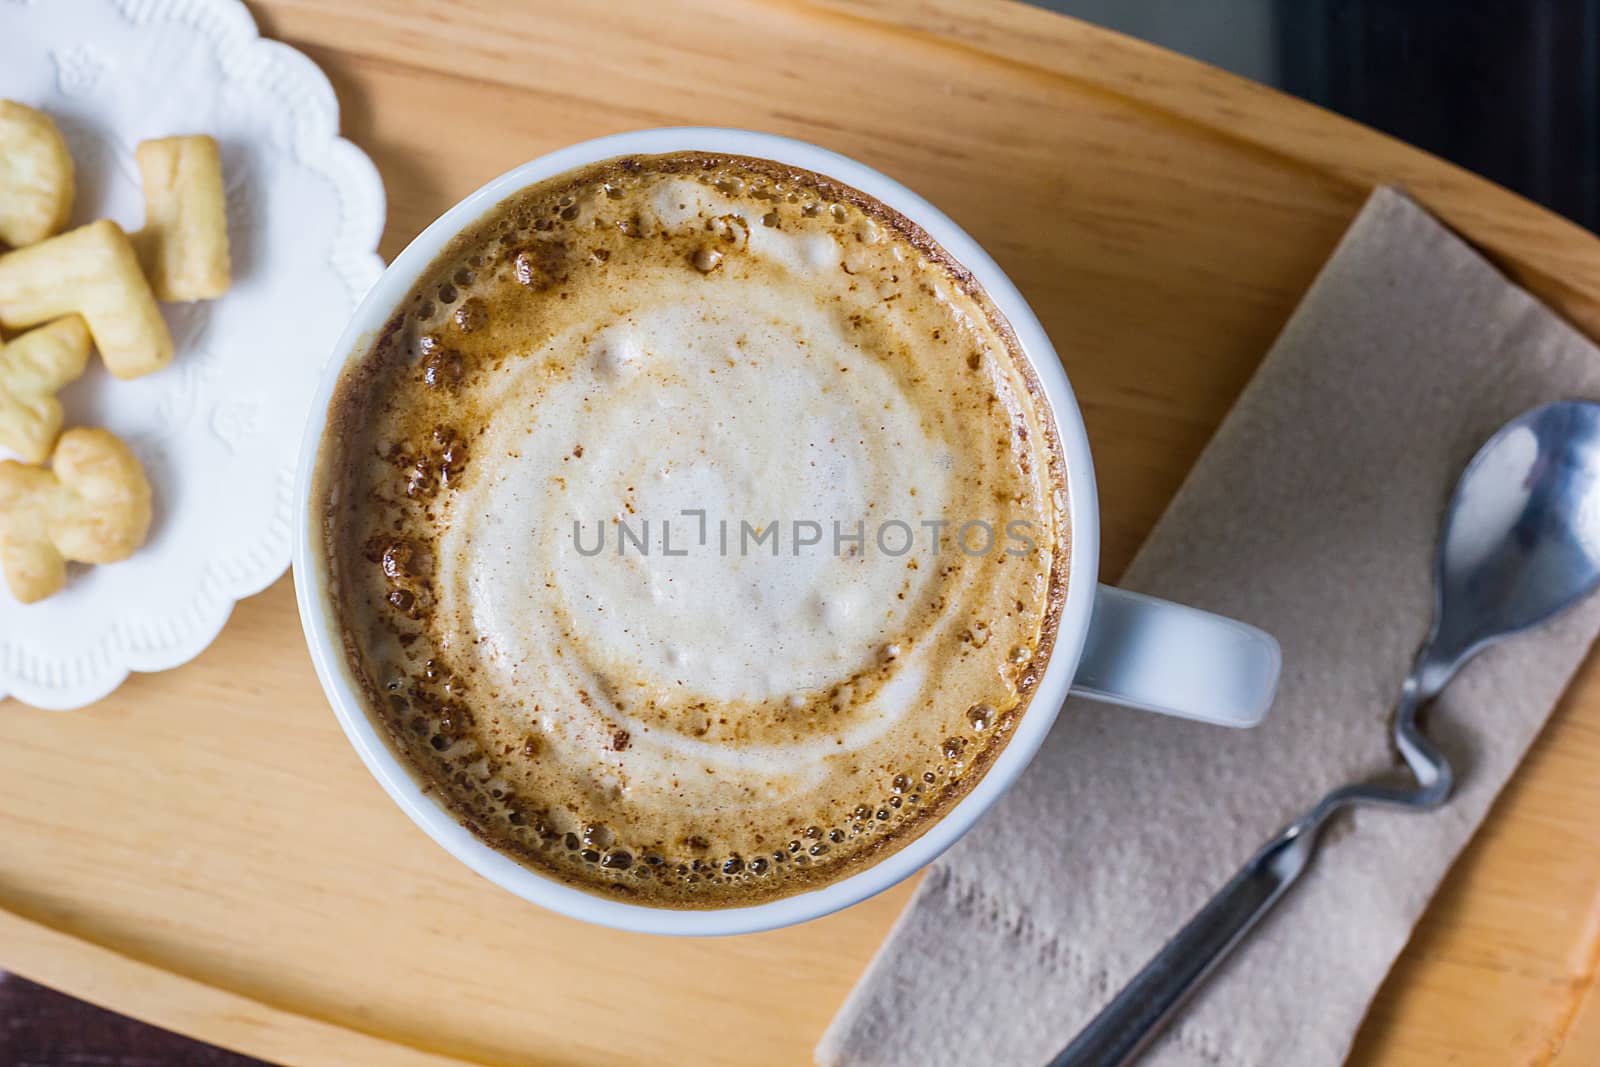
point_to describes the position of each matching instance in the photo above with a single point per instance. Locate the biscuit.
(32, 368)
(94, 272)
(184, 243)
(93, 506)
(36, 176)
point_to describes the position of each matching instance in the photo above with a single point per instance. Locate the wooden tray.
(203, 849)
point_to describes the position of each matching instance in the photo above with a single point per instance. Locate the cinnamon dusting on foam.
(655, 334)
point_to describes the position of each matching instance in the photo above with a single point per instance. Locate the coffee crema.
(747, 384)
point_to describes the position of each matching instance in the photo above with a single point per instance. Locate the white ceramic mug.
(1111, 645)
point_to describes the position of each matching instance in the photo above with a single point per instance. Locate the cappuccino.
(696, 529)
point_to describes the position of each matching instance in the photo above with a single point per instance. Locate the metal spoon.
(1521, 542)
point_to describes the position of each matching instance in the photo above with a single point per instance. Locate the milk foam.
(694, 351)
(735, 411)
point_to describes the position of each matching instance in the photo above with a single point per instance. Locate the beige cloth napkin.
(1312, 514)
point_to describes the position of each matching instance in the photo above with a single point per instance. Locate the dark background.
(1507, 88)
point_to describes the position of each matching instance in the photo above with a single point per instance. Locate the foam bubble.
(617, 350)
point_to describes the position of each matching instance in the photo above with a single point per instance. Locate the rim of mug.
(367, 735)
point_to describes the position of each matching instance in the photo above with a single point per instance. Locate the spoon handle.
(1127, 1026)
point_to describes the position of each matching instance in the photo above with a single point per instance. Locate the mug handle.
(1159, 656)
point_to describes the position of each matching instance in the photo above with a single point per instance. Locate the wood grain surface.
(203, 848)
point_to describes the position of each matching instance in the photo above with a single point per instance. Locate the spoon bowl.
(1522, 538)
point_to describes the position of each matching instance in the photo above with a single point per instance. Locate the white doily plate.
(218, 429)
